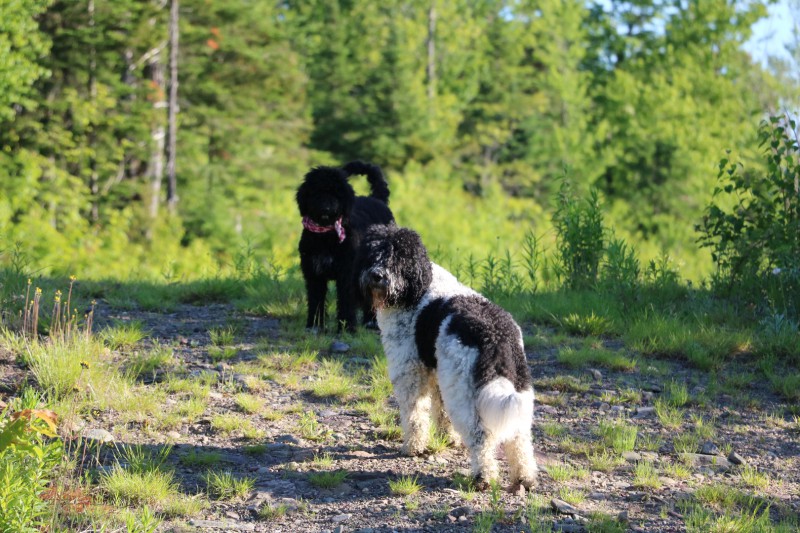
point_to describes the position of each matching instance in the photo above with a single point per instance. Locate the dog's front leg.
(413, 395)
(317, 291)
(440, 416)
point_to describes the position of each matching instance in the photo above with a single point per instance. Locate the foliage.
(580, 240)
(753, 223)
(27, 460)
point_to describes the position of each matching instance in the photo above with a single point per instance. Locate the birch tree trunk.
(172, 184)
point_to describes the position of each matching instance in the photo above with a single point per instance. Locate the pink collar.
(312, 226)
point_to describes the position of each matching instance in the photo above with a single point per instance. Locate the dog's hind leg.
(521, 462)
(440, 417)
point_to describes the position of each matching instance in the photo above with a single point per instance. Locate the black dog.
(334, 219)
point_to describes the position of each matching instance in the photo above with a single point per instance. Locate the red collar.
(313, 227)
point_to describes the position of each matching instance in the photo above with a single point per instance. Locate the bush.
(580, 237)
(26, 463)
(752, 224)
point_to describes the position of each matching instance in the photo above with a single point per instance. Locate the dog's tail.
(374, 174)
(502, 409)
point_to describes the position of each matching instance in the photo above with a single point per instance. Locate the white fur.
(483, 418)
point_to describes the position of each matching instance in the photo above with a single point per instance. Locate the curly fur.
(453, 355)
(325, 197)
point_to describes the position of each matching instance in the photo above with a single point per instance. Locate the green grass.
(618, 435)
(566, 472)
(562, 383)
(222, 336)
(146, 363)
(645, 475)
(752, 478)
(327, 480)
(404, 486)
(122, 335)
(553, 429)
(201, 459)
(583, 357)
(221, 353)
(271, 512)
(686, 443)
(572, 495)
(587, 325)
(64, 367)
(333, 382)
(227, 424)
(604, 461)
(226, 486)
(311, 429)
(136, 488)
(670, 417)
(248, 403)
(677, 471)
(676, 394)
(649, 442)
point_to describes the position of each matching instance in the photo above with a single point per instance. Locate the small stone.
(99, 435)
(339, 347)
(643, 412)
(341, 518)
(596, 374)
(222, 524)
(652, 387)
(736, 459)
(566, 527)
(709, 460)
(596, 496)
(647, 395)
(709, 448)
(623, 517)
(604, 407)
(632, 457)
(563, 507)
(174, 435)
(617, 410)
(232, 514)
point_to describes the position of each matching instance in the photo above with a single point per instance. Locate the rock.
(563, 507)
(224, 525)
(566, 527)
(736, 459)
(649, 456)
(709, 448)
(604, 406)
(174, 435)
(341, 518)
(652, 387)
(632, 457)
(647, 395)
(339, 347)
(623, 517)
(617, 411)
(707, 460)
(596, 374)
(596, 496)
(99, 435)
(549, 409)
(644, 412)
(464, 510)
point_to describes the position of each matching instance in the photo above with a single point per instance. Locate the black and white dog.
(452, 354)
(334, 219)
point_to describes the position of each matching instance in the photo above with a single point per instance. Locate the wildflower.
(72, 278)
(84, 365)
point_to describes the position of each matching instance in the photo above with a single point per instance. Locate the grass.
(310, 428)
(587, 325)
(603, 461)
(222, 336)
(671, 417)
(571, 495)
(752, 478)
(136, 488)
(271, 512)
(677, 471)
(566, 472)
(438, 441)
(143, 364)
(645, 475)
(122, 335)
(201, 459)
(226, 486)
(404, 486)
(327, 480)
(562, 383)
(333, 382)
(227, 424)
(676, 394)
(619, 436)
(649, 443)
(248, 403)
(686, 443)
(583, 357)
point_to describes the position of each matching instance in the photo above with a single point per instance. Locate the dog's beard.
(379, 297)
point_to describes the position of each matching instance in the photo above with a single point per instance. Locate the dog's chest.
(323, 264)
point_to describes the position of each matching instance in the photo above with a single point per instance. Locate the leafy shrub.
(580, 240)
(752, 224)
(26, 463)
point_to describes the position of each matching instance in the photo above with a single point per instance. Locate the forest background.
(476, 110)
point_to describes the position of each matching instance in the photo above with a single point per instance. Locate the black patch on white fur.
(480, 324)
(426, 330)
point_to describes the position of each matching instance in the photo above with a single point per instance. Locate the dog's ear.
(302, 198)
(413, 262)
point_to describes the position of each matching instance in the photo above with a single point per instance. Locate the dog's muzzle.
(376, 284)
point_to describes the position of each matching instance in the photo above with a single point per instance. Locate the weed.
(650, 443)
(686, 443)
(332, 381)
(621, 437)
(248, 403)
(752, 478)
(583, 357)
(225, 486)
(310, 428)
(270, 511)
(222, 336)
(202, 459)
(676, 394)
(646, 476)
(669, 416)
(677, 471)
(604, 461)
(553, 429)
(562, 383)
(327, 480)
(404, 486)
(566, 472)
(571, 495)
(122, 335)
(221, 353)
(587, 325)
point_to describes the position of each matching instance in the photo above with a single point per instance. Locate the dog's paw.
(412, 450)
(529, 481)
